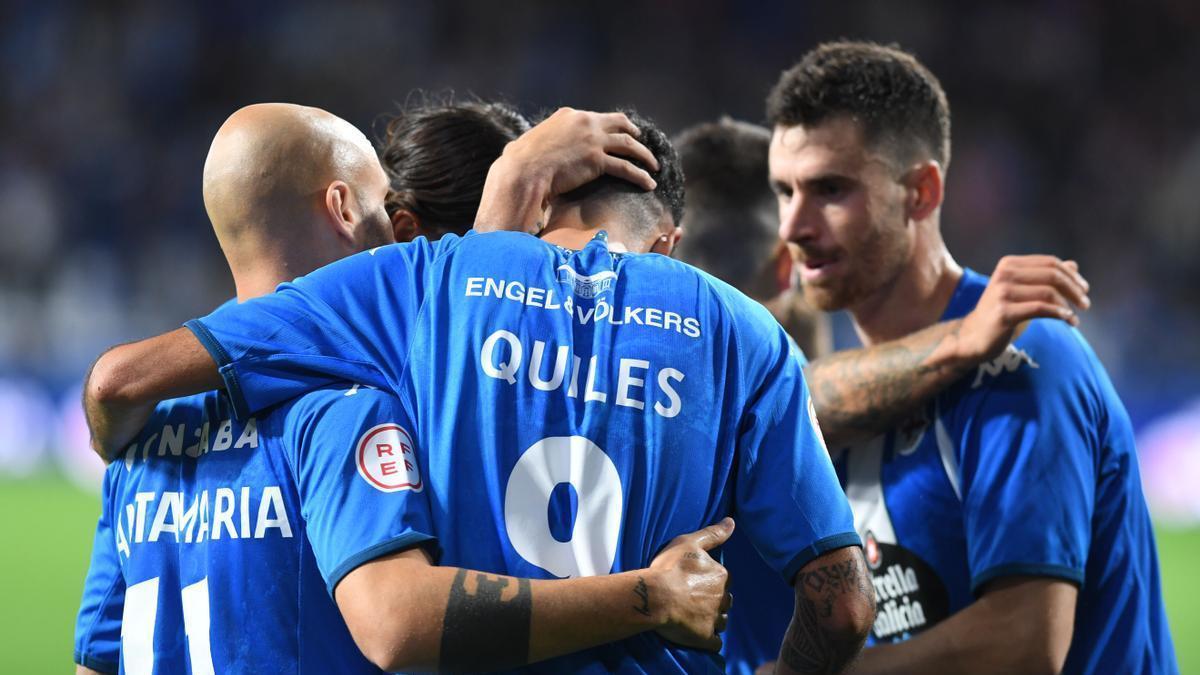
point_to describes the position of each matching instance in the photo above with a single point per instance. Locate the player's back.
(572, 411)
(577, 410)
(211, 543)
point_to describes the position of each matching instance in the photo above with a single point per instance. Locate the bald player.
(221, 541)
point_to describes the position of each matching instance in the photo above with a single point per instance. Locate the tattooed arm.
(863, 392)
(407, 614)
(835, 606)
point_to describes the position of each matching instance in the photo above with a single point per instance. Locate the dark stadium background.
(1076, 132)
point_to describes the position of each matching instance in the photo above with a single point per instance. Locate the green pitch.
(46, 527)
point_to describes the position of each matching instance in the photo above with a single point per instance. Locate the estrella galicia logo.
(910, 595)
(586, 285)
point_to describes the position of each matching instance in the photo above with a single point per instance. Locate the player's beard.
(869, 265)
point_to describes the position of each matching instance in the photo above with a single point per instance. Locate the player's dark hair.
(731, 215)
(437, 156)
(668, 196)
(895, 99)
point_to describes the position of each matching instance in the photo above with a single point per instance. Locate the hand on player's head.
(1022, 288)
(698, 587)
(574, 147)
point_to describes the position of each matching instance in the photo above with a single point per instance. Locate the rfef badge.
(387, 459)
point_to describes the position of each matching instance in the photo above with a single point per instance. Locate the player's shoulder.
(208, 401)
(737, 306)
(189, 410)
(483, 246)
(398, 258)
(339, 405)
(1046, 354)
(1049, 374)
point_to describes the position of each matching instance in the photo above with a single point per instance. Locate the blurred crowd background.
(1076, 131)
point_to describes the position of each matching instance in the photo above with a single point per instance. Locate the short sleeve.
(1027, 451)
(348, 321)
(98, 625)
(362, 491)
(788, 499)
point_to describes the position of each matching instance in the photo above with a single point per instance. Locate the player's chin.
(826, 296)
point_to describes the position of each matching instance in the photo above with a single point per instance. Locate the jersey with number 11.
(221, 540)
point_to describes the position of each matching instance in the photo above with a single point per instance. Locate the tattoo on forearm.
(482, 630)
(809, 646)
(873, 390)
(643, 594)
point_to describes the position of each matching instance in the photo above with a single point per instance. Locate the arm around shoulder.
(127, 381)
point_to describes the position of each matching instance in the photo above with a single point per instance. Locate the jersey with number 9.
(575, 410)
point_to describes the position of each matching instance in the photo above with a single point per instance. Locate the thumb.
(714, 535)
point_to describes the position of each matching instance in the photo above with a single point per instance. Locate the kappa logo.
(1009, 361)
(387, 460)
(589, 285)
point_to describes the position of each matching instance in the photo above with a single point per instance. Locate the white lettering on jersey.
(386, 458)
(664, 382)
(592, 547)
(171, 521)
(603, 311)
(502, 357)
(1008, 361)
(208, 437)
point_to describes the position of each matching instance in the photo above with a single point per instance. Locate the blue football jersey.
(573, 411)
(229, 536)
(98, 624)
(1025, 467)
(759, 618)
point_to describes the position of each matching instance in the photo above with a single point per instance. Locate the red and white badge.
(387, 459)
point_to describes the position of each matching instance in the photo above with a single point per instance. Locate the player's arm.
(1019, 625)
(835, 607)
(98, 622)
(795, 513)
(407, 614)
(127, 381)
(567, 150)
(863, 392)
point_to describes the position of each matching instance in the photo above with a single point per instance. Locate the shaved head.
(268, 181)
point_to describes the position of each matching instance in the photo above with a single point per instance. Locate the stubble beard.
(875, 264)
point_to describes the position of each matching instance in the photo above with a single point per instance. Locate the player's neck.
(565, 227)
(916, 299)
(264, 274)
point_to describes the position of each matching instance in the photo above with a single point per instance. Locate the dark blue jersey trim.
(98, 665)
(821, 547)
(1071, 574)
(241, 411)
(406, 540)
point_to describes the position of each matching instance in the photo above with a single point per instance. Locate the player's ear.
(924, 186)
(665, 243)
(341, 212)
(406, 225)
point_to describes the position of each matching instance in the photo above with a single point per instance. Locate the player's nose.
(796, 222)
